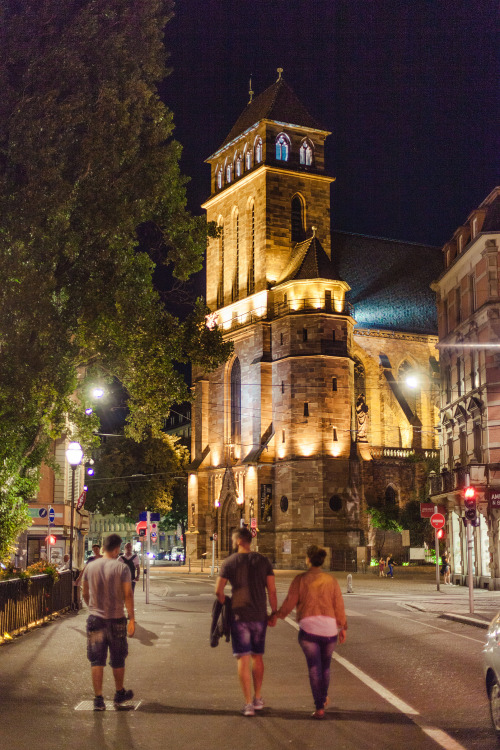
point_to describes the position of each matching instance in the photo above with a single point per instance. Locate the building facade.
(468, 298)
(311, 419)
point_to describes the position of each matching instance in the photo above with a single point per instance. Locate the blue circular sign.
(42, 512)
(52, 515)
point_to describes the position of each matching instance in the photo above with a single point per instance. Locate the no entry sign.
(438, 521)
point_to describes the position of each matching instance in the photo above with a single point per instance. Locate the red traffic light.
(470, 493)
(50, 539)
(441, 534)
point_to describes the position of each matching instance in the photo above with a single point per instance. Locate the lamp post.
(74, 455)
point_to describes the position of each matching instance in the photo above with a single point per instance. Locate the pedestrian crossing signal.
(470, 505)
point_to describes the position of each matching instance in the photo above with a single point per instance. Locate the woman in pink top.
(321, 615)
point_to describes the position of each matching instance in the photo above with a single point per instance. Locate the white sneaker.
(258, 704)
(248, 710)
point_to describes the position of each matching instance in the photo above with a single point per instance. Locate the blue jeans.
(391, 571)
(318, 651)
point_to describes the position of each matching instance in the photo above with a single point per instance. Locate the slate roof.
(492, 219)
(278, 102)
(308, 260)
(390, 281)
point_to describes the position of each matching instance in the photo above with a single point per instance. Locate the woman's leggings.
(318, 650)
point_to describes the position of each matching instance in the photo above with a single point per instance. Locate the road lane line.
(425, 624)
(440, 738)
(354, 613)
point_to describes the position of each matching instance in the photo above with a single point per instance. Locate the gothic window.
(236, 402)
(258, 150)
(306, 154)
(298, 229)
(282, 147)
(220, 288)
(236, 283)
(251, 265)
(390, 496)
(229, 173)
(220, 178)
(248, 158)
(410, 392)
(238, 166)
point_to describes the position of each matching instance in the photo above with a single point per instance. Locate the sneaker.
(258, 704)
(122, 696)
(318, 714)
(99, 704)
(248, 710)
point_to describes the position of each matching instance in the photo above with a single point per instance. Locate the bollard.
(349, 584)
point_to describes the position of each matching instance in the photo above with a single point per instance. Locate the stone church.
(328, 404)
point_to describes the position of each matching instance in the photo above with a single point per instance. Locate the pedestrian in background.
(446, 569)
(381, 566)
(390, 567)
(320, 612)
(250, 575)
(107, 587)
(132, 560)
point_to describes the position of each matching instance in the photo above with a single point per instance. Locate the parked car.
(491, 663)
(177, 554)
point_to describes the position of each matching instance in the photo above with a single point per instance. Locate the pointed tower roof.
(279, 103)
(308, 261)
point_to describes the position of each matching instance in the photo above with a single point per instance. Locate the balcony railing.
(396, 452)
(453, 481)
(312, 304)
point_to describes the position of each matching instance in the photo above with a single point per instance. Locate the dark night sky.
(409, 89)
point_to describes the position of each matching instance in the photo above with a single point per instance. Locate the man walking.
(107, 587)
(132, 560)
(249, 574)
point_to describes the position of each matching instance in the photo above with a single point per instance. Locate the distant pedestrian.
(381, 567)
(390, 567)
(106, 589)
(319, 605)
(96, 555)
(64, 565)
(446, 569)
(132, 560)
(250, 575)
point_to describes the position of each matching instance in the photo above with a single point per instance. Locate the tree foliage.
(177, 516)
(87, 157)
(133, 476)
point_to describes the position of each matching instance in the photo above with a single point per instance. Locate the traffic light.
(470, 505)
(50, 539)
(441, 534)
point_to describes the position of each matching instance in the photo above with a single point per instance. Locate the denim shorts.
(103, 634)
(248, 637)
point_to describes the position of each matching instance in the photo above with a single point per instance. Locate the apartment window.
(334, 384)
(478, 449)
(334, 435)
(463, 447)
(449, 444)
(282, 386)
(304, 334)
(447, 383)
(458, 305)
(281, 339)
(306, 408)
(472, 293)
(445, 316)
(459, 375)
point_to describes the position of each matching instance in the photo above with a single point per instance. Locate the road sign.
(143, 516)
(142, 532)
(253, 532)
(154, 536)
(215, 537)
(141, 525)
(253, 523)
(427, 510)
(438, 521)
(154, 516)
(52, 515)
(42, 512)
(493, 496)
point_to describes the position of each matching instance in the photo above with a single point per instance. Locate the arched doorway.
(230, 521)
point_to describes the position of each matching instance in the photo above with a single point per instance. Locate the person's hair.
(316, 555)
(96, 545)
(243, 535)
(112, 542)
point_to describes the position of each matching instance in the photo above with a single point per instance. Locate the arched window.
(251, 264)
(282, 147)
(258, 150)
(229, 173)
(236, 402)
(220, 288)
(390, 496)
(298, 230)
(220, 178)
(409, 385)
(306, 154)
(236, 229)
(248, 158)
(238, 166)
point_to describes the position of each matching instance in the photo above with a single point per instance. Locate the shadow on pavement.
(374, 717)
(144, 636)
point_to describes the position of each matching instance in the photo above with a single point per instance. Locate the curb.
(466, 619)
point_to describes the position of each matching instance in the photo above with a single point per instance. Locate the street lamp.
(74, 455)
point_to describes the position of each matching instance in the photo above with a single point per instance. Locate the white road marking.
(441, 738)
(181, 594)
(426, 625)
(353, 613)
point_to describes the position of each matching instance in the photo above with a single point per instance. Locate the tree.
(133, 476)
(420, 529)
(178, 513)
(386, 519)
(87, 158)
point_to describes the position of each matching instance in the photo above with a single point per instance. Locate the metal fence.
(342, 559)
(26, 602)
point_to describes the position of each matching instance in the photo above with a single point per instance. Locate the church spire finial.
(280, 71)
(250, 92)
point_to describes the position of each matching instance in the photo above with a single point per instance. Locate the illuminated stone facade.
(306, 422)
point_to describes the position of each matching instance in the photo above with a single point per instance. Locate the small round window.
(335, 503)
(284, 504)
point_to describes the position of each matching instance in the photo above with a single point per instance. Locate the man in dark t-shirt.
(250, 575)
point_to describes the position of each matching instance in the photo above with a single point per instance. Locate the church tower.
(272, 428)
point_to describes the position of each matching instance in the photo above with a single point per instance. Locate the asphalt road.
(403, 679)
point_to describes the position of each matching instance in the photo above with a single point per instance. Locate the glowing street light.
(411, 381)
(74, 455)
(98, 392)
